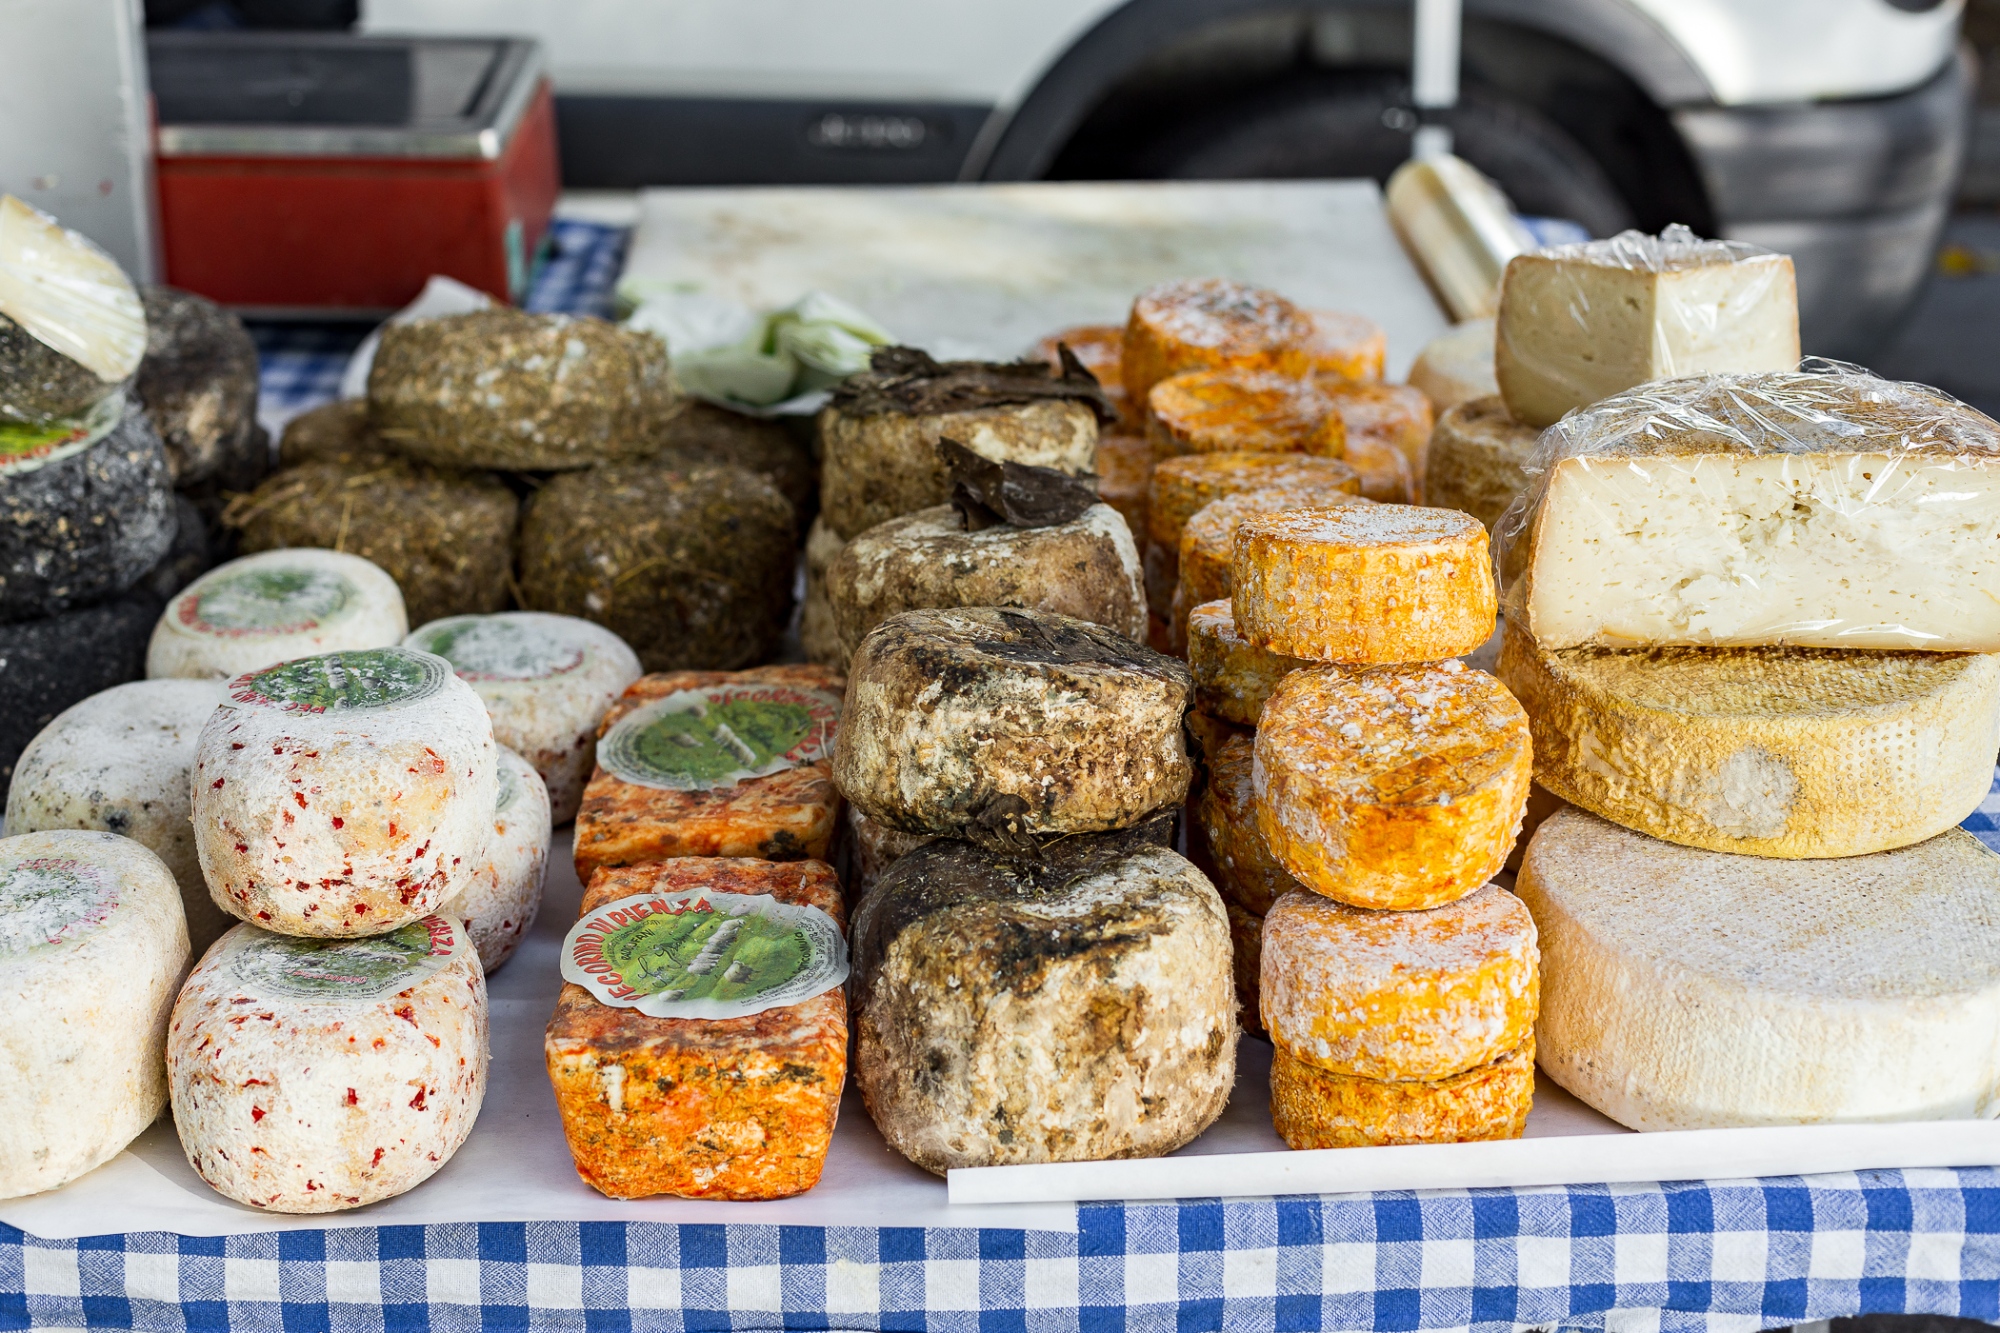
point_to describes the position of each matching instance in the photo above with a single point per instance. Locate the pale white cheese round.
(310, 1076)
(120, 762)
(273, 607)
(499, 903)
(345, 794)
(92, 949)
(547, 681)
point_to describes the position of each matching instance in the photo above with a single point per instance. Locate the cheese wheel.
(1385, 473)
(1354, 347)
(1101, 348)
(1207, 734)
(1073, 1007)
(1124, 476)
(818, 635)
(1087, 568)
(1224, 819)
(1364, 584)
(1317, 1108)
(83, 1074)
(1475, 459)
(1208, 539)
(1542, 806)
(311, 1076)
(702, 432)
(1212, 324)
(198, 383)
(121, 761)
(546, 681)
(1391, 413)
(272, 607)
(1685, 989)
(1221, 411)
(1457, 366)
(1232, 677)
(1400, 995)
(978, 719)
(49, 664)
(345, 794)
(1398, 789)
(1183, 486)
(499, 901)
(714, 763)
(872, 848)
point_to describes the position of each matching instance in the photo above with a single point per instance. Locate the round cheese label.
(25, 447)
(261, 602)
(46, 900)
(348, 971)
(500, 648)
(697, 954)
(720, 735)
(349, 682)
(508, 789)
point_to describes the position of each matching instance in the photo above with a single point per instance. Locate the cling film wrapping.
(70, 297)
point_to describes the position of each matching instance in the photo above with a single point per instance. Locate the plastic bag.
(1822, 507)
(728, 356)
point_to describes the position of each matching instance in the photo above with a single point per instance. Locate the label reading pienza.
(720, 735)
(340, 971)
(24, 447)
(495, 648)
(46, 900)
(348, 682)
(698, 954)
(258, 603)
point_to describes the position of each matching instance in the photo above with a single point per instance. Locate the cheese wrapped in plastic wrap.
(1820, 508)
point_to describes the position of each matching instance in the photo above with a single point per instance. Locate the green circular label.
(369, 968)
(719, 735)
(48, 899)
(343, 682)
(26, 446)
(254, 602)
(483, 648)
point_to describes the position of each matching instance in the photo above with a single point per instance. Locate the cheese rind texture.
(1349, 346)
(1183, 486)
(1815, 510)
(1225, 820)
(1476, 460)
(1397, 789)
(312, 1076)
(1212, 324)
(1208, 539)
(1233, 678)
(272, 607)
(500, 901)
(1218, 411)
(1782, 752)
(81, 1073)
(1687, 989)
(1456, 366)
(1400, 995)
(1317, 1108)
(1579, 323)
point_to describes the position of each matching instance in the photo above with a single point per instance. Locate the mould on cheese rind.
(198, 383)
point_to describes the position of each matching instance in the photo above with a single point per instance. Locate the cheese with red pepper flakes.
(310, 1076)
(721, 1108)
(92, 947)
(714, 763)
(500, 902)
(273, 607)
(346, 794)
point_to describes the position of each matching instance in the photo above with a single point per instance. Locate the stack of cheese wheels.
(500, 901)
(1398, 988)
(1220, 411)
(1386, 427)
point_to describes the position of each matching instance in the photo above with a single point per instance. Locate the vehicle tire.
(1334, 126)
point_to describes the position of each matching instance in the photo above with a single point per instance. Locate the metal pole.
(1434, 74)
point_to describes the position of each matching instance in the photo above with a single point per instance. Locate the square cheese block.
(726, 1108)
(714, 763)
(1579, 323)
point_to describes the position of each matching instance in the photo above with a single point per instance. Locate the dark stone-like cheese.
(199, 384)
(700, 432)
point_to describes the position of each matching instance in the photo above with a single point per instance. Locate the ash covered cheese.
(1476, 460)
(547, 682)
(500, 900)
(1397, 789)
(1579, 323)
(121, 761)
(1212, 324)
(1457, 366)
(1786, 752)
(1233, 678)
(1073, 1007)
(92, 948)
(1087, 568)
(1317, 1108)
(714, 763)
(344, 794)
(271, 607)
(1225, 819)
(818, 634)
(1218, 411)
(1686, 989)
(982, 719)
(311, 1076)
(739, 1107)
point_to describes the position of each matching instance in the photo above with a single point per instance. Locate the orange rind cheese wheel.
(1315, 1108)
(1396, 413)
(1396, 789)
(1400, 995)
(1208, 540)
(1232, 676)
(1124, 476)
(1215, 411)
(1362, 584)
(1100, 348)
(1225, 818)
(1212, 324)
(1183, 486)
(1352, 347)
(1385, 473)
(1245, 931)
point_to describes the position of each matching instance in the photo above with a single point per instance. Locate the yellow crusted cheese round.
(1124, 475)
(1475, 458)
(1232, 677)
(1210, 323)
(1396, 788)
(1353, 347)
(1392, 413)
(1217, 411)
(1225, 822)
(1208, 539)
(1364, 584)
(1182, 486)
(1316, 1108)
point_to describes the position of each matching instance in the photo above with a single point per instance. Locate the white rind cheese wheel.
(92, 949)
(500, 902)
(1792, 752)
(547, 681)
(1475, 460)
(273, 607)
(1685, 989)
(309, 1076)
(121, 761)
(346, 794)
(1456, 366)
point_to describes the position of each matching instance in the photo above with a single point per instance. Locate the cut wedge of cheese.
(1316, 1108)
(1212, 324)
(1225, 827)
(1686, 989)
(1218, 411)
(1353, 347)
(1232, 677)
(1457, 366)
(272, 607)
